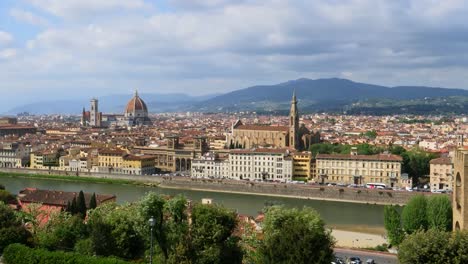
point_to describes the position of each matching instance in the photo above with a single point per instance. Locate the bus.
(376, 185)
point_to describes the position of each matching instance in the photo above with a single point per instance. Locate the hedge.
(20, 254)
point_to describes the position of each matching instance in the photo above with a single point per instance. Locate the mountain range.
(320, 95)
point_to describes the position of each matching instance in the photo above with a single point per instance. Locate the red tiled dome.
(136, 104)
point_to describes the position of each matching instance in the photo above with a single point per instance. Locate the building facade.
(460, 191)
(176, 156)
(441, 173)
(252, 164)
(302, 162)
(294, 136)
(359, 169)
(14, 155)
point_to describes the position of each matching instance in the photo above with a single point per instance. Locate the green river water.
(340, 215)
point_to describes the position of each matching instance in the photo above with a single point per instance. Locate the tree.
(392, 221)
(425, 247)
(439, 213)
(295, 236)
(61, 232)
(212, 237)
(6, 196)
(81, 205)
(73, 206)
(371, 134)
(414, 214)
(11, 229)
(152, 205)
(92, 202)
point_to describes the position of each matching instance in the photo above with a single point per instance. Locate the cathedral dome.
(136, 104)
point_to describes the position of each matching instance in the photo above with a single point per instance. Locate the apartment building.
(13, 155)
(359, 169)
(252, 164)
(441, 173)
(302, 162)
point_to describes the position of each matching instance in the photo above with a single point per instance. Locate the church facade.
(295, 136)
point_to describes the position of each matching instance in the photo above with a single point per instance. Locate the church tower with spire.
(294, 123)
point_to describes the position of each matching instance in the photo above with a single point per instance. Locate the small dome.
(136, 104)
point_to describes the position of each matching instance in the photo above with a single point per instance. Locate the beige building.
(441, 174)
(253, 136)
(460, 192)
(359, 169)
(110, 160)
(176, 156)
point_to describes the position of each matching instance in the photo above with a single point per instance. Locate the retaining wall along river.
(303, 191)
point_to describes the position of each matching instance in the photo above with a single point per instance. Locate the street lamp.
(151, 222)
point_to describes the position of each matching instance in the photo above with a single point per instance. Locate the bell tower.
(294, 123)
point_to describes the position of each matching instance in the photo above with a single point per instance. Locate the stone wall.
(303, 191)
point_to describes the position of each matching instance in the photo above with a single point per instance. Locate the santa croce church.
(294, 136)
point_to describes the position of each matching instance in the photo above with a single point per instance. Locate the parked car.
(338, 260)
(354, 260)
(370, 261)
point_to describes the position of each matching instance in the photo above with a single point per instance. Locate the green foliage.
(328, 148)
(392, 221)
(84, 247)
(117, 230)
(6, 196)
(61, 232)
(414, 214)
(434, 246)
(2, 187)
(371, 134)
(439, 213)
(11, 229)
(416, 162)
(92, 202)
(20, 254)
(212, 235)
(295, 236)
(81, 205)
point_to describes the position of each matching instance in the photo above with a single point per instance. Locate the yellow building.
(302, 164)
(110, 160)
(44, 160)
(359, 169)
(138, 165)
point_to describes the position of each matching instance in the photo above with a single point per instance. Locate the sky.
(65, 49)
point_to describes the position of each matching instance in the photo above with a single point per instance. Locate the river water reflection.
(347, 216)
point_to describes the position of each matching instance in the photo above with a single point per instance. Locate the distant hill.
(112, 104)
(320, 95)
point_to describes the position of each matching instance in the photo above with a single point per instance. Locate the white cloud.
(5, 38)
(28, 17)
(227, 44)
(72, 9)
(7, 53)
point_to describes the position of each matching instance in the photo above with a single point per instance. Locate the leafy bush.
(20, 254)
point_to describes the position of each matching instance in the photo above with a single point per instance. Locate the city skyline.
(51, 48)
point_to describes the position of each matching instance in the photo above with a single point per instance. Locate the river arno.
(346, 216)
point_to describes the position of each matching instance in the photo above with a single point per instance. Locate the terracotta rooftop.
(262, 128)
(377, 157)
(443, 160)
(58, 198)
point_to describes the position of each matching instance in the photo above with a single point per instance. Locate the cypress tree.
(92, 202)
(67, 209)
(81, 204)
(73, 206)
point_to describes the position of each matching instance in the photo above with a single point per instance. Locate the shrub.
(20, 254)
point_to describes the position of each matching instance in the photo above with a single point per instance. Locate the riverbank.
(350, 239)
(69, 178)
(296, 191)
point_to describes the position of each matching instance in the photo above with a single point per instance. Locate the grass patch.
(304, 179)
(69, 178)
(380, 248)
